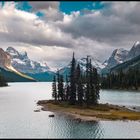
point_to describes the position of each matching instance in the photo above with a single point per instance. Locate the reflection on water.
(18, 119)
(67, 128)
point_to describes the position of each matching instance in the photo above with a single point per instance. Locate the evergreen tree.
(79, 85)
(61, 88)
(96, 86)
(72, 82)
(67, 89)
(2, 81)
(92, 84)
(58, 85)
(87, 90)
(136, 78)
(129, 79)
(54, 88)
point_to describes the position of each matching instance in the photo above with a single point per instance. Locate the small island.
(92, 113)
(79, 96)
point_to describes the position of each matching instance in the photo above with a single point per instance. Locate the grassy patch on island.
(102, 111)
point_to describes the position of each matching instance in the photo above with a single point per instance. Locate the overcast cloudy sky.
(51, 31)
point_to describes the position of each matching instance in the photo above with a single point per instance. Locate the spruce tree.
(136, 78)
(2, 81)
(72, 99)
(67, 89)
(61, 88)
(129, 79)
(54, 89)
(92, 84)
(58, 85)
(79, 85)
(92, 96)
(87, 90)
(96, 86)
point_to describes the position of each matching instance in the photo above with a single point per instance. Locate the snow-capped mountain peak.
(15, 54)
(95, 62)
(119, 53)
(22, 62)
(82, 62)
(134, 51)
(118, 56)
(136, 43)
(24, 54)
(12, 51)
(43, 63)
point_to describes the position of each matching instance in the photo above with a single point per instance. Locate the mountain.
(5, 59)
(43, 77)
(22, 63)
(119, 56)
(65, 71)
(82, 62)
(133, 63)
(38, 70)
(41, 72)
(10, 73)
(95, 62)
(134, 51)
(14, 76)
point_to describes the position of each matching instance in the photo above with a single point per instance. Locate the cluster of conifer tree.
(2, 81)
(122, 80)
(80, 87)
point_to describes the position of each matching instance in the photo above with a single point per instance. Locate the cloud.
(115, 24)
(49, 8)
(21, 26)
(128, 11)
(42, 6)
(56, 35)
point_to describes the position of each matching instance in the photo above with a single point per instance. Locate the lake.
(18, 119)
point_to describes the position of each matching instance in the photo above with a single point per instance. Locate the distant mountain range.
(119, 56)
(37, 70)
(9, 72)
(17, 64)
(132, 60)
(82, 62)
(21, 62)
(133, 63)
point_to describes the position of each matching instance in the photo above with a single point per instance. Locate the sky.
(51, 31)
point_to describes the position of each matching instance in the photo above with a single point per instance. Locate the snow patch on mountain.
(118, 56)
(82, 62)
(22, 62)
(95, 63)
(134, 51)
